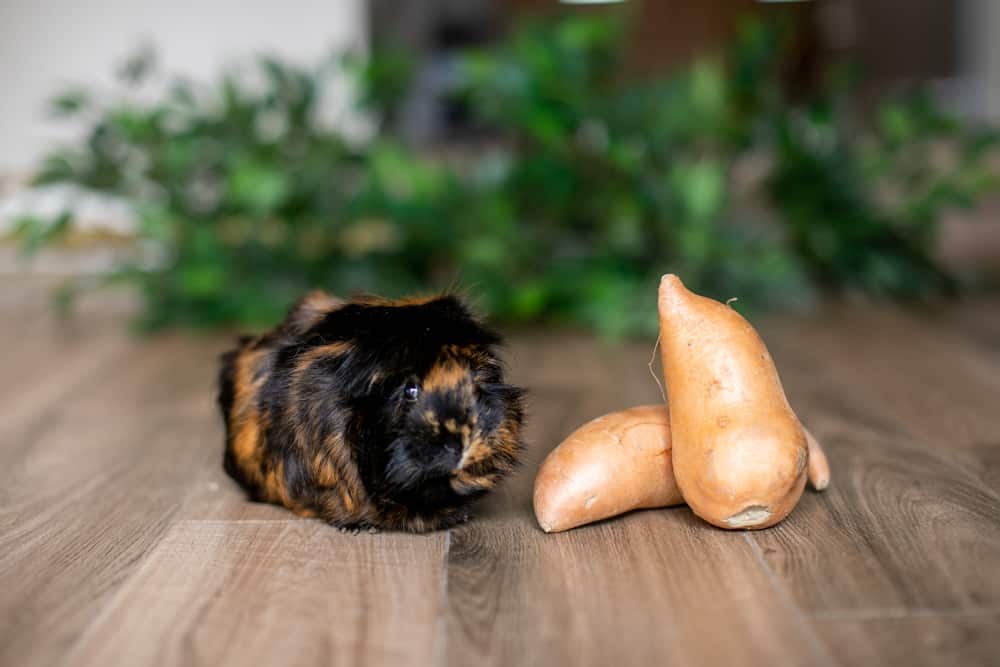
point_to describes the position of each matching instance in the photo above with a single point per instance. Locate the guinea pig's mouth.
(409, 466)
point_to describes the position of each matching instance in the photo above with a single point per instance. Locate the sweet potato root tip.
(819, 467)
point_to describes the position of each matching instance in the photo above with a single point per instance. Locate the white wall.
(46, 44)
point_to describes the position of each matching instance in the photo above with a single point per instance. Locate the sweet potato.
(608, 466)
(739, 452)
(613, 464)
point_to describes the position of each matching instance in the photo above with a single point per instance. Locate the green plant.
(600, 184)
(861, 202)
(639, 175)
(248, 199)
(616, 182)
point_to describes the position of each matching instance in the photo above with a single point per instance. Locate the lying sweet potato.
(608, 466)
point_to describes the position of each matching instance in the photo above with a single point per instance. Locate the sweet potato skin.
(739, 451)
(819, 467)
(611, 465)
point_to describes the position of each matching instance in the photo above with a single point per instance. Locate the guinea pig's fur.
(371, 413)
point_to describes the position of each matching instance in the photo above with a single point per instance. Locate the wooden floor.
(123, 543)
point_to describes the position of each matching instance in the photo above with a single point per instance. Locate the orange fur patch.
(476, 451)
(465, 482)
(245, 420)
(415, 300)
(311, 308)
(447, 376)
(325, 474)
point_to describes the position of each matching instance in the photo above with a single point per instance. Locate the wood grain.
(920, 640)
(892, 527)
(122, 542)
(657, 587)
(977, 321)
(939, 389)
(284, 593)
(904, 507)
(86, 493)
(80, 510)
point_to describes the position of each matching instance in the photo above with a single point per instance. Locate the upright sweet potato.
(739, 452)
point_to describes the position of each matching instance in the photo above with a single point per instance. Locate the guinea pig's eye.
(411, 391)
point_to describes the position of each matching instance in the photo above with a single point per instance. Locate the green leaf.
(701, 187)
(708, 89)
(202, 280)
(257, 187)
(137, 67)
(36, 232)
(70, 103)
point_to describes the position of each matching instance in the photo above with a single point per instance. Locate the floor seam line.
(785, 600)
(440, 653)
(125, 586)
(900, 613)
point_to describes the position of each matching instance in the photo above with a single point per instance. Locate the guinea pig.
(371, 413)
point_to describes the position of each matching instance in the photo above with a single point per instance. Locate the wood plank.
(32, 327)
(103, 435)
(288, 593)
(923, 382)
(987, 457)
(170, 373)
(78, 513)
(213, 496)
(903, 508)
(939, 389)
(893, 524)
(89, 488)
(50, 362)
(51, 372)
(916, 641)
(656, 587)
(976, 320)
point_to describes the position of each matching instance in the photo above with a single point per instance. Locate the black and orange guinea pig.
(371, 413)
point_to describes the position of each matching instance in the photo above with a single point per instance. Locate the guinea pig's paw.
(356, 528)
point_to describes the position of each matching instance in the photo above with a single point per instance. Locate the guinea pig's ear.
(309, 310)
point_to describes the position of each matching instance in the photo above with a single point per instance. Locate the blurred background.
(549, 159)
